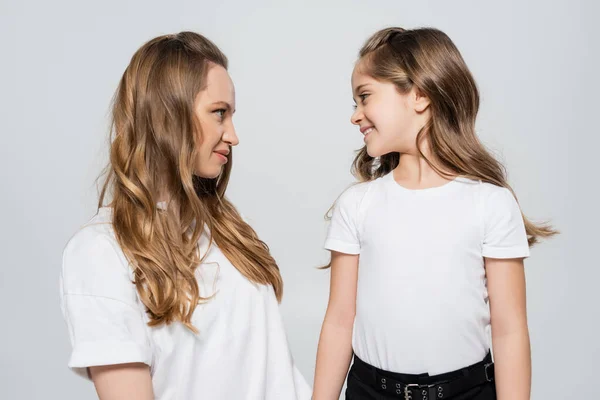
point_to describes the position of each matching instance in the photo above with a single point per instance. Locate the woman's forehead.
(219, 86)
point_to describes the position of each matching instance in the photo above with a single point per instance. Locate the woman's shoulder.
(93, 254)
(97, 229)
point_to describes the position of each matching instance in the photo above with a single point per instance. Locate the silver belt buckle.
(407, 393)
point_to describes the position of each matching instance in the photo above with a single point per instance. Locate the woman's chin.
(210, 172)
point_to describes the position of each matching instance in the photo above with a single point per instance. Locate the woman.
(167, 292)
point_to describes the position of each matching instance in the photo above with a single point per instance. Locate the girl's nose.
(356, 116)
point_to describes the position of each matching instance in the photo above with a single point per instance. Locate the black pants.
(358, 389)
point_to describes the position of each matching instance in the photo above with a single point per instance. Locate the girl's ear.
(420, 101)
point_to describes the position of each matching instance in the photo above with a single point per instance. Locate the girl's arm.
(123, 381)
(510, 335)
(335, 344)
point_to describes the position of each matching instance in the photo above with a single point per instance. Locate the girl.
(428, 249)
(167, 292)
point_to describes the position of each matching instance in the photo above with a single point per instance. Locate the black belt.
(441, 386)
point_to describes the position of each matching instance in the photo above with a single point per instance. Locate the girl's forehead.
(358, 68)
(360, 77)
(361, 70)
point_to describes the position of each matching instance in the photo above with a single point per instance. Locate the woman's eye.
(220, 112)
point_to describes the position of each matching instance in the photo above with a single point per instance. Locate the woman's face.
(214, 107)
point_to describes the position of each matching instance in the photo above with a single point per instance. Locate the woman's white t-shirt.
(240, 352)
(422, 303)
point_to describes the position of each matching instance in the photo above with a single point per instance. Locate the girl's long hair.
(427, 60)
(152, 157)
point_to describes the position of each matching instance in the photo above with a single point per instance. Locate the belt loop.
(465, 372)
(374, 373)
(433, 394)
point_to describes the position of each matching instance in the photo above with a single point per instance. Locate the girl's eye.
(362, 98)
(220, 112)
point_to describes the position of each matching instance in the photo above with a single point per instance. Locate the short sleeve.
(98, 301)
(504, 229)
(343, 232)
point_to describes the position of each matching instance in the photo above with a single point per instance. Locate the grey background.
(536, 64)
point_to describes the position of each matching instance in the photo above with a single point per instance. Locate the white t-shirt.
(422, 303)
(241, 351)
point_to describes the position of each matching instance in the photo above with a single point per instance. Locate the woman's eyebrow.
(225, 105)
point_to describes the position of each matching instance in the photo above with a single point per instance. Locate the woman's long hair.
(152, 157)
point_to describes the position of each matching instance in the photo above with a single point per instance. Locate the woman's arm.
(335, 344)
(123, 382)
(510, 335)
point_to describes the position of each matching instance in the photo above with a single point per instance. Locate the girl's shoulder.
(492, 194)
(362, 189)
(357, 189)
(355, 194)
(487, 191)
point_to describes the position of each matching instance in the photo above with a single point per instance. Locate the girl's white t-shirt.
(240, 352)
(422, 302)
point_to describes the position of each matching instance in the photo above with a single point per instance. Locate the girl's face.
(214, 107)
(389, 120)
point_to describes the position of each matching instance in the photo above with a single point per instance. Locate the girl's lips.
(365, 129)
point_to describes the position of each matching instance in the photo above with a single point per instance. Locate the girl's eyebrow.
(357, 89)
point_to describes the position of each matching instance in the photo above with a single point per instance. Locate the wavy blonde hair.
(152, 157)
(427, 60)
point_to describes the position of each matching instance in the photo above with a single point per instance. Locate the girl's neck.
(413, 172)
